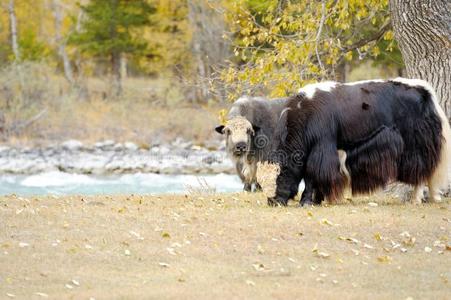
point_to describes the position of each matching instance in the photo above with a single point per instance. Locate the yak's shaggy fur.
(391, 131)
(249, 131)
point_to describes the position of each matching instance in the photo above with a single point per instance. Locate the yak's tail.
(439, 178)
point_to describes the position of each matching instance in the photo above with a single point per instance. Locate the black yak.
(391, 130)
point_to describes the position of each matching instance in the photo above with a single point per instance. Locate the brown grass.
(150, 110)
(221, 247)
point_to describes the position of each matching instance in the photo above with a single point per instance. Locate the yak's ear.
(255, 128)
(220, 129)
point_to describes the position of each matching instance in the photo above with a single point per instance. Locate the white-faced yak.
(249, 128)
(391, 130)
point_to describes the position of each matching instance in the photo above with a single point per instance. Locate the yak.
(250, 125)
(390, 130)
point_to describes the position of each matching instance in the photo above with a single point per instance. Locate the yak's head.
(239, 133)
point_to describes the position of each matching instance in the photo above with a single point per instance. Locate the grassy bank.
(39, 107)
(222, 246)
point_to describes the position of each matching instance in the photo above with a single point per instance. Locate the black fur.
(390, 131)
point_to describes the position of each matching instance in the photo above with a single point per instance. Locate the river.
(61, 183)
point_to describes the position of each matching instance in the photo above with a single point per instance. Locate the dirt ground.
(222, 247)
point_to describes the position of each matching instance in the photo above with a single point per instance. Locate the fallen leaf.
(352, 240)
(327, 222)
(323, 254)
(384, 259)
(171, 251)
(250, 282)
(405, 234)
(368, 246)
(258, 267)
(163, 264)
(75, 282)
(315, 248)
(10, 295)
(43, 295)
(378, 236)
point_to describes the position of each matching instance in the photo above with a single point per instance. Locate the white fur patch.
(267, 174)
(310, 89)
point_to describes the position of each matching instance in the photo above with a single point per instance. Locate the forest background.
(149, 71)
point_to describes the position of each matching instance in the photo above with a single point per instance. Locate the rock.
(105, 144)
(72, 145)
(4, 149)
(107, 158)
(118, 147)
(131, 146)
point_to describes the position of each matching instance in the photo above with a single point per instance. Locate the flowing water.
(60, 183)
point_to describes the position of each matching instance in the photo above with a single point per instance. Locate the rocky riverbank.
(109, 157)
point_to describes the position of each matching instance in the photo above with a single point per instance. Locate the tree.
(60, 41)
(422, 28)
(208, 46)
(282, 45)
(13, 26)
(109, 30)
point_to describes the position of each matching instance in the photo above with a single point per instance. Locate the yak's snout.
(240, 148)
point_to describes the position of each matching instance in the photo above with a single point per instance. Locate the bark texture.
(13, 27)
(423, 31)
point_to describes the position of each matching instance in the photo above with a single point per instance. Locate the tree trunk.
(208, 46)
(116, 70)
(422, 29)
(13, 26)
(124, 73)
(61, 43)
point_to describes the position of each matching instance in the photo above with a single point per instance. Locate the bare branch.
(320, 29)
(375, 37)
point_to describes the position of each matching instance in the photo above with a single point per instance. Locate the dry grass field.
(229, 246)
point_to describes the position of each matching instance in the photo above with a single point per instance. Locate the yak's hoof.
(307, 203)
(258, 188)
(276, 202)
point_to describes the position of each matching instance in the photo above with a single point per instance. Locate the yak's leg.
(258, 187)
(319, 197)
(286, 184)
(434, 191)
(417, 195)
(307, 195)
(323, 166)
(239, 170)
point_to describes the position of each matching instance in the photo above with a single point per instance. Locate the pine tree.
(108, 31)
